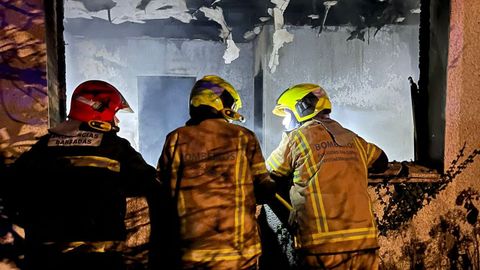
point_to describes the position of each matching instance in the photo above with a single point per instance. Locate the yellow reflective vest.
(212, 168)
(331, 206)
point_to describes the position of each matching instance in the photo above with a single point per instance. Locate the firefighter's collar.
(66, 128)
(340, 135)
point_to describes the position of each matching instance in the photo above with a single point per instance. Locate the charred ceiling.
(188, 19)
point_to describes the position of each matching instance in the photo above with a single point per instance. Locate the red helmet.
(96, 100)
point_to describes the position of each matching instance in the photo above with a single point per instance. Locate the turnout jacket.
(72, 185)
(329, 166)
(214, 168)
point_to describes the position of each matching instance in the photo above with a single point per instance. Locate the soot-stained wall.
(121, 61)
(366, 81)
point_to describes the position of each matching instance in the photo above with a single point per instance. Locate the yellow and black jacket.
(214, 169)
(331, 206)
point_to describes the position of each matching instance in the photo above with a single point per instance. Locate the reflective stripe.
(259, 168)
(363, 156)
(203, 255)
(276, 165)
(341, 239)
(181, 203)
(297, 177)
(312, 198)
(317, 200)
(343, 235)
(243, 196)
(282, 171)
(175, 162)
(323, 216)
(83, 246)
(270, 164)
(94, 161)
(362, 153)
(175, 155)
(240, 171)
(372, 153)
(345, 232)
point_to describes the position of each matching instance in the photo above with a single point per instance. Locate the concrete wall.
(462, 119)
(463, 95)
(120, 61)
(444, 233)
(366, 81)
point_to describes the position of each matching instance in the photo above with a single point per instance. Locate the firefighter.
(326, 166)
(70, 188)
(217, 175)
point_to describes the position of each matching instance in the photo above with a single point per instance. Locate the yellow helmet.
(218, 94)
(304, 100)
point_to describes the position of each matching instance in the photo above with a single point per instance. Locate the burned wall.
(367, 82)
(121, 61)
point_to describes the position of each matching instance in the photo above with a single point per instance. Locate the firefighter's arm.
(380, 164)
(165, 235)
(279, 163)
(376, 159)
(139, 175)
(169, 161)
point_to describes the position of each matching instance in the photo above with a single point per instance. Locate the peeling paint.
(264, 19)
(249, 35)
(232, 52)
(281, 35)
(128, 11)
(216, 14)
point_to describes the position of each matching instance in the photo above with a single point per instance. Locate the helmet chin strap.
(232, 115)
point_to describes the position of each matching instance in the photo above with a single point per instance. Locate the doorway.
(163, 107)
